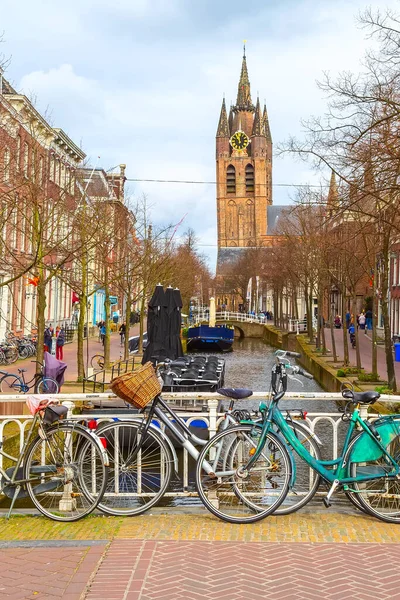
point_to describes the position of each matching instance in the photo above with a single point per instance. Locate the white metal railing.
(209, 416)
(300, 325)
(227, 315)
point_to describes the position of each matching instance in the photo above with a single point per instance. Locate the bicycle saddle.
(22, 370)
(368, 397)
(236, 394)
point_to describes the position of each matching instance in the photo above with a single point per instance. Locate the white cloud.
(141, 81)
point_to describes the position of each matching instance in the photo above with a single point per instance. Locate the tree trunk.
(81, 322)
(374, 325)
(141, 326)
(354, 311)
(107, 306)
(333, 341)
(128, 309)
(40, 307)
(386, 322)
(345, 332)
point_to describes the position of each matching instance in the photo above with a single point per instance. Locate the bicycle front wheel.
(46, 385)
(65, 483)
(140, 470)
(238, 496)
(97, 361)
(379, 497)
(11, 355)
(11, 384)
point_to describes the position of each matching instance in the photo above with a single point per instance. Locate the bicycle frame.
(339, 467)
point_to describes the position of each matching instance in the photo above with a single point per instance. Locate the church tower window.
(249, 178)
(231, 180)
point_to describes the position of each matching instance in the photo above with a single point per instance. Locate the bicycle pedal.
(327, 503)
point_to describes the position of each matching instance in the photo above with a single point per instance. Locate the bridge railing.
(233, 316)
(327, 425)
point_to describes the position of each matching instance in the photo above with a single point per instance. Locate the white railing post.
(212, 407)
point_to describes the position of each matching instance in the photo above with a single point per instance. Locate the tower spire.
(333, 198)
(223, 128)
(243, 101)
(267, 131)
(258, 125)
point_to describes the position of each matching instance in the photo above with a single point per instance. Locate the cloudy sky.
(141, 82)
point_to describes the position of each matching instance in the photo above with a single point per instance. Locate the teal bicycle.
(254, 467)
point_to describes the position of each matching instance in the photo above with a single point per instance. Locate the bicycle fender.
(103, 450)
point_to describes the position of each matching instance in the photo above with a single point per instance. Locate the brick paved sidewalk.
(193, 556)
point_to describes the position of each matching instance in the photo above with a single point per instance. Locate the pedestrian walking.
(338, 322)
(348, 319)
(368, 320)
(122, 332)
(48, 339)
(103, 332)
(361, 321)
(60, 341)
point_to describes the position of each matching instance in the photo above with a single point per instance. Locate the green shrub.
(348, 371)
(368, 377)
(383, 389)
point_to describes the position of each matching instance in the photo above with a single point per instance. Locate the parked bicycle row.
(256, 465)
(16, 347)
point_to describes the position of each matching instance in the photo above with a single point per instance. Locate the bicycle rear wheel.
(46, 385)
(379, 497)
(138, 478)
(243, 497)
(11, 384)
(66, 483)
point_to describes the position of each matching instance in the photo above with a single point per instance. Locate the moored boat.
(204, 337)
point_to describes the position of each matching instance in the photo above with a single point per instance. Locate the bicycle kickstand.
(327, 499)
(16, 493)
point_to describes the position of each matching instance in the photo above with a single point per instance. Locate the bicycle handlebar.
(305, 374)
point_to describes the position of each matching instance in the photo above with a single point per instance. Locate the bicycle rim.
(68, 483)
(137, 479)
(379, 497)
(239, 497)
(10, 384)
(46, 385)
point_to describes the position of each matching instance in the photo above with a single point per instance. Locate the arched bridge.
(246, 325)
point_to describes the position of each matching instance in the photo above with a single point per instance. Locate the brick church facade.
(245, 214)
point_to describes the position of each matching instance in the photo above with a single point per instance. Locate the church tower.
(244, 170)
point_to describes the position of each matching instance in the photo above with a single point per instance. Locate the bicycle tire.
(11, 384)
(72, 482)
(11, 355)
(46, 385)
(379, 497)
(223, 494)
(298, 496)
(97, 361)
(130, 490)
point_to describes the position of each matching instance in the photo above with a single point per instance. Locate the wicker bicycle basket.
(138, 387)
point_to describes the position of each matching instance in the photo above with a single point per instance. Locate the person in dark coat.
(48, 339)
(60, 341)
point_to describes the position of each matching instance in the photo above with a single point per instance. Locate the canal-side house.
(108, 258)
(37, 170)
